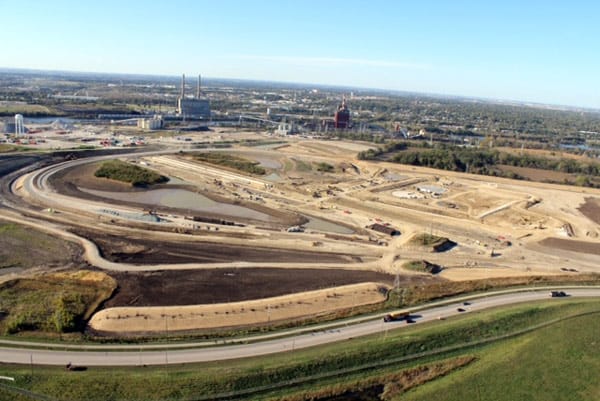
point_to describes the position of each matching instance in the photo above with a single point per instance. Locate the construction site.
(317, 233)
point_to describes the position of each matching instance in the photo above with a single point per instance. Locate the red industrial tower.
(342, 116)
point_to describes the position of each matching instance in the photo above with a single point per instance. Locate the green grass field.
(560, 362)
(561, 359)
(302, 166)
(16, 248)
(234, 162)
(12, 108)
(7, 148)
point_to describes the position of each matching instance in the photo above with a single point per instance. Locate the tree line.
(479, 161)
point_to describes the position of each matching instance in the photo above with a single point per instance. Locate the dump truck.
(394, 316)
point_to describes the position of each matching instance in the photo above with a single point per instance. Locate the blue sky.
(540, 51)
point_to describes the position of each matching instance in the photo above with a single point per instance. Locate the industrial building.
(341, 119)
(15, 127)
(431, 189)
(193, 108)
(153, 123)
(284, 129)
(342, 116)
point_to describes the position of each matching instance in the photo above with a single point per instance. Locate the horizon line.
(525, 103)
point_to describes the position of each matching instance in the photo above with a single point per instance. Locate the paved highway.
(136, 355)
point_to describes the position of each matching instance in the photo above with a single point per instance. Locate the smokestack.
(198, 92)
(183, 86)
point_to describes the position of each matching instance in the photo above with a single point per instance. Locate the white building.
(153, 123)
(19, 128)
(284, 129)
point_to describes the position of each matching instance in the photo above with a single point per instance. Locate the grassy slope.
(185, 382)
(426, 239)
(232, 161)
(557, 363)
(57, 302)
(23, 247)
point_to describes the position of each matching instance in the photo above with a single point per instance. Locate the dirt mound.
(149, 320)
(423, 266)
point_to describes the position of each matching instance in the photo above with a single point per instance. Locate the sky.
(530, 51)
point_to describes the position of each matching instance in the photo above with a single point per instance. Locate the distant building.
(342, 116)
(284, 129)
(153, 123)
(194, 107)
(19, 128)
(13, 126)
(327, 125)
(431, 189)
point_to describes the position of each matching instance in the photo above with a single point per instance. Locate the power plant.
(342, 116)
(195, 107)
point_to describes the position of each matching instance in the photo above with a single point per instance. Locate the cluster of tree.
(325, 167)
(480, 161)
(391, 147)
(126, 172)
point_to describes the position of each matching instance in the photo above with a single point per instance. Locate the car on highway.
(461, 309)
(558, 294)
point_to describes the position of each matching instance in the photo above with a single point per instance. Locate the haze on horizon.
(523, 51)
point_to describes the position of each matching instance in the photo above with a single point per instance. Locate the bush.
(325, 167)
(234, 162)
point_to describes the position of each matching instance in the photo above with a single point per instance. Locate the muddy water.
(327, 226)
(267, 162)
(182, 199)
(273, 177)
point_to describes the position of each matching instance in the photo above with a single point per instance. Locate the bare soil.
(572, 245)
(207, 286)
(591, 209)
(145, 251)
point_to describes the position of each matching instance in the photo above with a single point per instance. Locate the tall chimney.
(198, 91)
(183, 86)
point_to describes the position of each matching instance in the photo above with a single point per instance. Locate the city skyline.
(533, 52)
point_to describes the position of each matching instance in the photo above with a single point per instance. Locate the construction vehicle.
(395, 316)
